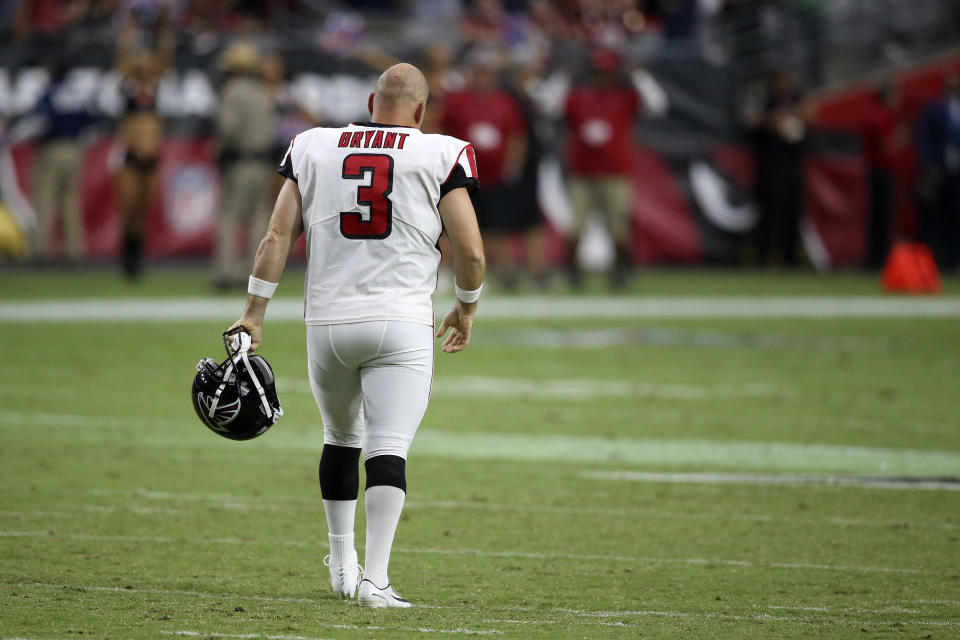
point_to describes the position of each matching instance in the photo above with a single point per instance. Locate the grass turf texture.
(124, 518)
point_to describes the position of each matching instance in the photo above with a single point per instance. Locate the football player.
(373, 199)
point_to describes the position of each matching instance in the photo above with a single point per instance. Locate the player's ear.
(370, 105)
(418, 114)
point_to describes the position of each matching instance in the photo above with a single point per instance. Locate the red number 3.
(379, 222)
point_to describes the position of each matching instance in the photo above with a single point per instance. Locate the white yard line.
(505, 308)
(820, 609)
(759, 617)
(778, 479)
(948, 603)
(214, 634)
(482, 553)
(41, 638)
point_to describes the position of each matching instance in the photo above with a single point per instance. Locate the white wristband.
(467, 296)
(261, 288)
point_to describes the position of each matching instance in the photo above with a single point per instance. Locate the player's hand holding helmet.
(236, 398)
(250, 325)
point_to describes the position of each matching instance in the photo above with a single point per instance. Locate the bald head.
(400, 92)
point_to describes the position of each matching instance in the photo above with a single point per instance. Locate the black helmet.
(237, 398)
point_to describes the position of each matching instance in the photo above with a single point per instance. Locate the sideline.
(502, 308)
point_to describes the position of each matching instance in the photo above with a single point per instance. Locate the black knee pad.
(390, 471)
(339, 472)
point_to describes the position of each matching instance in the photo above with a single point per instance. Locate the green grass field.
(694, 477)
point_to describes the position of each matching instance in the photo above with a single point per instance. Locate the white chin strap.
(241, 342)
(241, 345)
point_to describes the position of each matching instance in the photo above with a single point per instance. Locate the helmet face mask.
(237, 398)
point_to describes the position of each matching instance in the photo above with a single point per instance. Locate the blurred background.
(610, 134)
(744, 438)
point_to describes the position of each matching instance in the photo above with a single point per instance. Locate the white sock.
(384, 504)
(340, 516)
(342, 550)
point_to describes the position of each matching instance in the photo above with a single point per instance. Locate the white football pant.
(371, 381)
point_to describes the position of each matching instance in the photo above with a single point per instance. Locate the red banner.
(183, 210)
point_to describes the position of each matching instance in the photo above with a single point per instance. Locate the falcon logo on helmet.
(222, 415)
(236, 398)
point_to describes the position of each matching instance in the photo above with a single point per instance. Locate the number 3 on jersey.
(378, 169)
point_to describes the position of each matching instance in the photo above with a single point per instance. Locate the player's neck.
(394, 119)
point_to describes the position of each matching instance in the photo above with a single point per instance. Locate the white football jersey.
(370, 195)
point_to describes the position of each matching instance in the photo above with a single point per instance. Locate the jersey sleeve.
(286, 168)
(463, 173)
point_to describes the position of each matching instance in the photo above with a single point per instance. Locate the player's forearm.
(284, 228)
(271, 256)
(460, 223)
(267, 266)
(470, 266)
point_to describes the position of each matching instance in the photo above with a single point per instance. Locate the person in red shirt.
(882, 138)
(600, 119)
(491, 120)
